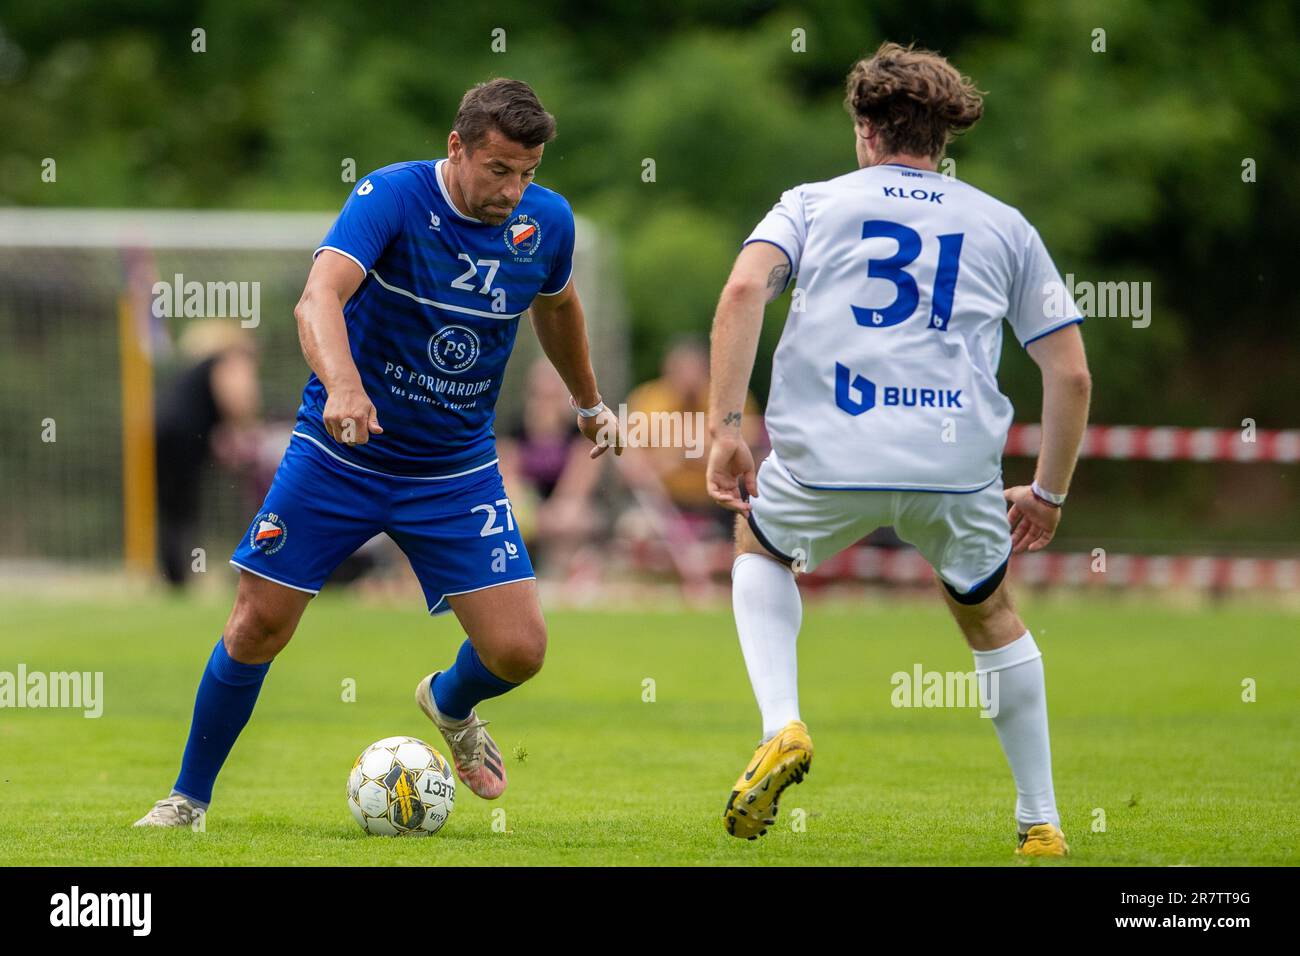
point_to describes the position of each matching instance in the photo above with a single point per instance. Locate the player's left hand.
(1033, 521)
(602, 429)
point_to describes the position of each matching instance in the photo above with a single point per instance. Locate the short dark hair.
(508, 106)
(916, 100)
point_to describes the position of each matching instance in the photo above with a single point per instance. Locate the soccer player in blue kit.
(407, 320)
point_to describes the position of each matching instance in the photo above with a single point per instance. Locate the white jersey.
(885, 375)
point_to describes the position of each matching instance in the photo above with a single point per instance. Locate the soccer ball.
(400, 786)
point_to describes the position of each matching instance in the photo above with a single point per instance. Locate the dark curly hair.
(915, 99)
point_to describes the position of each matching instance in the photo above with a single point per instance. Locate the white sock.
(768, 614)
(1021, 723)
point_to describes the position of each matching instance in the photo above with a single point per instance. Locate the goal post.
(89, 347)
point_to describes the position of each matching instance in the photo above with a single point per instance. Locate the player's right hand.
(350, 416)
(731, 477)
(1033, 521)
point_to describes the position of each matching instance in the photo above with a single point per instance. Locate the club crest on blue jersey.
(454, 349)
(523, 234)
(432, 328)
(268, 533)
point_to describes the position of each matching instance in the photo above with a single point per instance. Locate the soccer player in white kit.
(885, 410)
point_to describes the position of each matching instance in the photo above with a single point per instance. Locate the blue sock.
(457, 689)
(222, 707)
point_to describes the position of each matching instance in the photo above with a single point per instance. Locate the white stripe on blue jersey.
(434, 320)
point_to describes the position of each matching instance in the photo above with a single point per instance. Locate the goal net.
(88, 346)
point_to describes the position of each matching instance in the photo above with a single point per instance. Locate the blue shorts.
(459, 532)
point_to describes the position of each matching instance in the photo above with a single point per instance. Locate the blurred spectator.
(208, 410)
(667, 473)
(550, 476)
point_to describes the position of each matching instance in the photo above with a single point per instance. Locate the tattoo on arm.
(776, 280)
(732, 418)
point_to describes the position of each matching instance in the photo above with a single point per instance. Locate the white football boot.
(175, 812)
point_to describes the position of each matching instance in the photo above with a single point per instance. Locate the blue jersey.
(433, 323)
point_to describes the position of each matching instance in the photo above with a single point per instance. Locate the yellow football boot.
(1043, 839)
(779, 762)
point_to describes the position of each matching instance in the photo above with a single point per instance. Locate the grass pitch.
(1149, 729)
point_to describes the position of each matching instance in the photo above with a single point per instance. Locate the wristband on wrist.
(588, 412)
(1046, 497)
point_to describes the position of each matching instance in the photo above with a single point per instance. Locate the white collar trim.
(442, 186)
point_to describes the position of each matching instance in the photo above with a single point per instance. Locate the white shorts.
(965, 536)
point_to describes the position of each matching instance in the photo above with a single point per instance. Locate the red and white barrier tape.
(1142, 443)
(905, 566)
(870, 563)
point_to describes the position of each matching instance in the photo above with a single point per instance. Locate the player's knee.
(522, 657)
(530, 652)
(256, 632)
(989, 624)
(993, 631)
